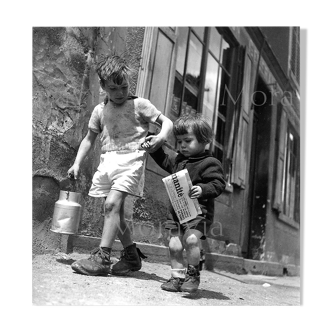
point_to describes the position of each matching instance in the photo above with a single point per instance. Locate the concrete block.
(233, 249)
(66, 243)
(154, 253)
(88, 243)
(262, 267)
(224, 262)
(293, 270)
(214, 246)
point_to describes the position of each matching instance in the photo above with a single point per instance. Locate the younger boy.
(122, 122)
(193, 134)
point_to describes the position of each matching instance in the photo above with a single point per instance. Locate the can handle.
(73, 184)
(68, 184)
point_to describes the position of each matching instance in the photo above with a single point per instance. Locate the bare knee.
(175, 246)
(191, 241)
(112, 207)
(114, 202)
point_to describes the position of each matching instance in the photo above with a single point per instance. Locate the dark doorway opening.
(259, 167)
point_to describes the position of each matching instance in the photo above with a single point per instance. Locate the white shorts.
(119, 170)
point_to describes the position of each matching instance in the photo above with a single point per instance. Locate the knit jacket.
(204, 170)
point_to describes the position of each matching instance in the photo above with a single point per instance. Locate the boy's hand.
(195, 192)
(73, 172)
(153, 143)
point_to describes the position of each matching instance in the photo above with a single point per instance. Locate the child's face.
(117, 93)
(188, 144)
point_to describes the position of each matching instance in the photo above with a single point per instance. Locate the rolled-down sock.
(178, 273)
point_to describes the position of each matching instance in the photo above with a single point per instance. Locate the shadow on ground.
(145, 276)
(207, 294)
(137, 275)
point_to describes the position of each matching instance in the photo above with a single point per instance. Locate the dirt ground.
(55, 283)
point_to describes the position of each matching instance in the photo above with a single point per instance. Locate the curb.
(158, 253)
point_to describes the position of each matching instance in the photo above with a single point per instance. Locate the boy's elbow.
(169, 126)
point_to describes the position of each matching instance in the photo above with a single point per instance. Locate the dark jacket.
(204, 170)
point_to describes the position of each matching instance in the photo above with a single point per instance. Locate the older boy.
(122, 122)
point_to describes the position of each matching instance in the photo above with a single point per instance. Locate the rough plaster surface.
(65, 91)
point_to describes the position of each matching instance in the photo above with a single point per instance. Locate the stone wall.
(65, 90)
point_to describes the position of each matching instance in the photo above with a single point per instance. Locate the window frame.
(290, 158)
(182, 78)
(199, 92)
(285, 127)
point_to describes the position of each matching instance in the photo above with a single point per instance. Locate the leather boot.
(192, 280)
(130, 260)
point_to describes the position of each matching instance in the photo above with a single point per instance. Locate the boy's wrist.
(162, 138)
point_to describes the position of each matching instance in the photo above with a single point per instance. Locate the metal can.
(67, 213)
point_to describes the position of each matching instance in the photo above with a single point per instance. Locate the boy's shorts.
(200, 223)
(119, 170)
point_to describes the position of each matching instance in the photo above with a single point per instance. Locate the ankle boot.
(192, 280)
(98, 263)
(130, 260)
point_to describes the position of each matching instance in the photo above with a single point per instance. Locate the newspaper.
(178, 186)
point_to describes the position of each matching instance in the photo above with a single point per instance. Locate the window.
(188, 66)
(203, 72)
(290, 181)
(287, 185)
(216, 79)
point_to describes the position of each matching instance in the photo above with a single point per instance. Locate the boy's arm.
(156, 141)
(213, 182)
(165, 161)
(83, 150)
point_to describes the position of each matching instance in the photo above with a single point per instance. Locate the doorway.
(259, 171)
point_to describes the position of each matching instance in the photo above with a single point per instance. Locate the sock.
(106, 250)
(178, 273)
(193, 269)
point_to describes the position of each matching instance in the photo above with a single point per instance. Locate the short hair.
(195, 123)
(112, 67)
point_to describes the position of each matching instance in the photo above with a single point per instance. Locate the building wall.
(65, 91)
(276, 241)
(278, 38)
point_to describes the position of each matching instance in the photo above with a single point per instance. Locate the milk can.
(67, 213)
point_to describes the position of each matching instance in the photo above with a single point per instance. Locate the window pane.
(181, 49)
(215, 42)
(220, 131)
(189, 105)
(224, 99)
(177, 87)
(290, 175)
(210, 88)
(225, 55)
(218, 153)
(200, 32)
(194, 61)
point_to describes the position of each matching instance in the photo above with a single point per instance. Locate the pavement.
(56, 284)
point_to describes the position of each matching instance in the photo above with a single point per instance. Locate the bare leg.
(113, 205)
(176, 252)
(124, 233)
(191, 241)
